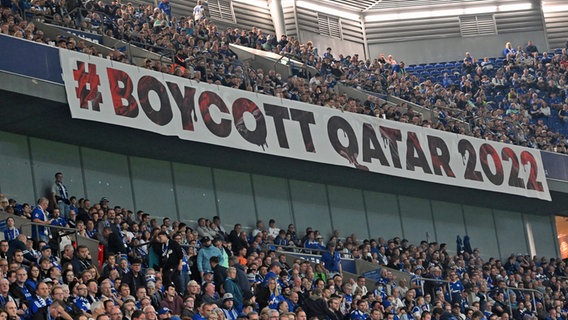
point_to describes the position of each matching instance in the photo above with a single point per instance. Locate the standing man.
(39, 215)
(60, 195)
(331, 260)
(170, 260)
(166, 8)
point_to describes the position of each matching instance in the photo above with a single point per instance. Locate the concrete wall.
(337, 45)
(187, 192)
(452, 49)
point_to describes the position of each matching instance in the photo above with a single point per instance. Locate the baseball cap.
(227, 296)
(163, 310)
(47, 280)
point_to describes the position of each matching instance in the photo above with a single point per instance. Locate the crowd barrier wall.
(187, 192)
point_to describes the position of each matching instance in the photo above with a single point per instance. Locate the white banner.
(115, 93)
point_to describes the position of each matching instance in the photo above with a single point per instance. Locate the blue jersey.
(313, 244)
(38, 303)
(274, 301)
(38, 213)
(185, 264)
(27, 293)
(11, 234)
(331, 261)
(83, 304)
(456, 287)
(61, 222)
(358, 315)
(92, 234)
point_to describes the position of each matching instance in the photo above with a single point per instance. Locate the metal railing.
(27, 226)
(533, 293)
(68, 231)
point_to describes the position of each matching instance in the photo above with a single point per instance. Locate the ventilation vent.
(478, 25)
(329, 26)
(221, 10)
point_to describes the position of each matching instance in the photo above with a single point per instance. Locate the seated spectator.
(563, 114)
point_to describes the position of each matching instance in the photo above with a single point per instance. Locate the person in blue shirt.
(11, 231)
(39, 215)
(362, 311)
(273, 272)
(81, 300)
(166, 8)
(41, 299)
(331, 260)
(57, 220)
(456, 288)
(312, 243)
(19, 288)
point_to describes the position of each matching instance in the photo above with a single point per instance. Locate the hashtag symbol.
(87, 89)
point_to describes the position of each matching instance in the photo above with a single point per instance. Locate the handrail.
(296, 249)
(72, 230)
(69, 231)
(422, 279)
(532, 291)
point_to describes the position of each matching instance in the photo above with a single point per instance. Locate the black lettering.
(440, 155)
(256, 136)
(464, 146)
(415, 156)
(349, 152)
(514, 180)
(392, 136)
(305, 118)
(497, 177)
(185, 104)
(163, 115)
(371, 147)
(279, 113)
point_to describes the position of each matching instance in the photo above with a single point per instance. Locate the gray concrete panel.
(348, 211)
(383, 214)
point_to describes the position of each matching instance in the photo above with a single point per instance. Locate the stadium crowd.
(171, 270)
(521, 99)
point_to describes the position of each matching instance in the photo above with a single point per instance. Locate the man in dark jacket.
(315, 305)
(219, 273)
(170, 260)
(242, 279)
(135, 279)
